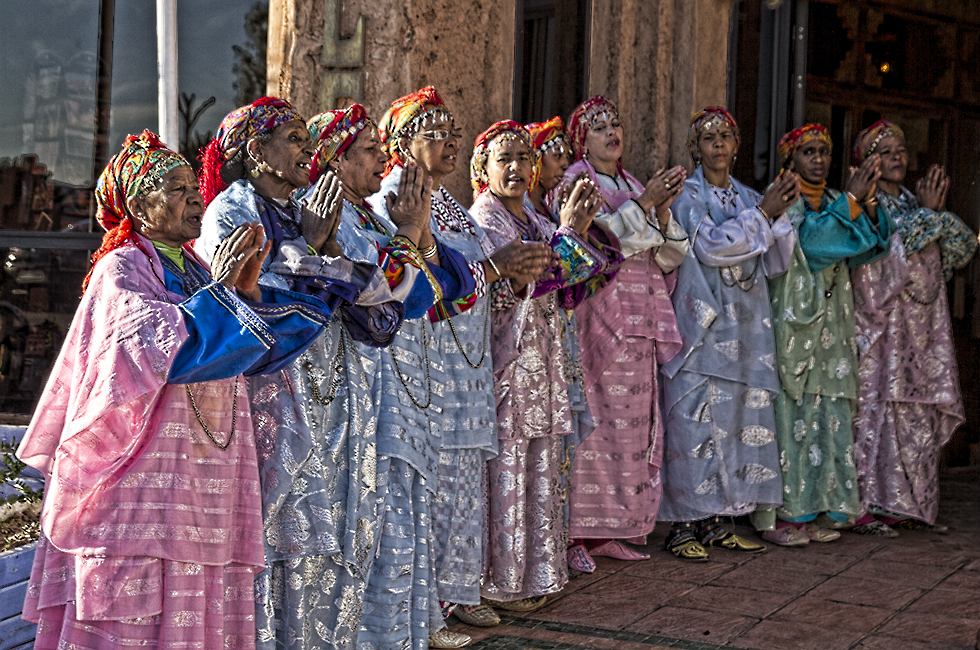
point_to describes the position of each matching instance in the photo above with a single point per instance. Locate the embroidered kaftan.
(720, 454)
(151, 532)
(468, 423)
(526, 553)
(816, 355)
(625, 332)
(910, 394)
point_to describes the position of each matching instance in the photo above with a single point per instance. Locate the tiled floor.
(920, 591)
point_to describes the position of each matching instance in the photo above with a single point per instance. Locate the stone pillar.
(660, 62)
(323, 54)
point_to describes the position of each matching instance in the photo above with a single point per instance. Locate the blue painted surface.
(15, 569)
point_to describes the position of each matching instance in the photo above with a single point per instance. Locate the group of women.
(337, 406)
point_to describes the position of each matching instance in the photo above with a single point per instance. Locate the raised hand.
(783, 193)
(580, 206)
(931, 189)
(238, 262)
(863, 181)
(661, 190)
(321, 216)
(411, 207)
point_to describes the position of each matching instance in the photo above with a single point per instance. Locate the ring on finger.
(785, 198)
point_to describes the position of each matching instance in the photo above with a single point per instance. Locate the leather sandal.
(682, 543)
(477, 615)
(580, 560)
(523, 605)
(443, 638)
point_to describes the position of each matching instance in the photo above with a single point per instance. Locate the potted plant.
(21, 492)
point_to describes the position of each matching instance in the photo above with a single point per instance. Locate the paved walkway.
(917, 592)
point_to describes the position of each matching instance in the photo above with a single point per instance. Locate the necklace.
(486, 343)
(187, 387)
(428, 379)
(338, 369)
(732, 276)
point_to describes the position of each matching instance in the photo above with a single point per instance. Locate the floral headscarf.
(790, 143)
(234, 132)
(709, 117)
(589, 112)
(481, 151)
(407, 116)
(868, 139)
(135, 170)
(333, 132)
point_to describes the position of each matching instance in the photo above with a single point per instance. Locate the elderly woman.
(813, 320)
(145, 427)
(526, 556)
(910, 401)
(626, 331)
(724, 461)
(317, 437)
(554, 155)
(421, 271)
(418, 128)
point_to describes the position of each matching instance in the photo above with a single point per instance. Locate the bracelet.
(429, 252)
(852, 197)
(494, 267)
(764, 213)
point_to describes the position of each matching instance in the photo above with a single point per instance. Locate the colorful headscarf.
(547, 135)
(790, 143)
(135, 170)
(333, 132)
(407, 116)
(481, 151)
(709, 117)
(234, 132)
(588, 112)
(868, 139)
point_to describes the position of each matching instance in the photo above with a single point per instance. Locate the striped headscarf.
(481, 151)
(868, 139)
(709, 117)
(790, 143)
(234, 132)
(588, 113)
(135, 170)
(406, 117)
(333, 132)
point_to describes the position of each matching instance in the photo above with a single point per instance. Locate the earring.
(254, 172)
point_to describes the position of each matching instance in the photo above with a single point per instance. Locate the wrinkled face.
(604, 140)
(171, 213)
(434, 148)
(362, 165)
(508, 166)
(554, 162)
(717, 147)
(289, 152)
(894, 159)
(812, 161)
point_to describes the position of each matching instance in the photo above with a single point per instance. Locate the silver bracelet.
(429, 252)
(495, 269)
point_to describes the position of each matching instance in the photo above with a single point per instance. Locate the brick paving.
(920, 591)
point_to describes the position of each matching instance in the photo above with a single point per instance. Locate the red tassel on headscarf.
(121, 235)
(209, 177)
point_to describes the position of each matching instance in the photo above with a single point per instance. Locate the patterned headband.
(596, 109)
(135, 170)
(790, 143)
(710, 117)
(235, 131)
(407, 116)
(334, 132)
(500, 132)
(868, 140)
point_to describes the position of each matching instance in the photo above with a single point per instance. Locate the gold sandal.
(682, 543)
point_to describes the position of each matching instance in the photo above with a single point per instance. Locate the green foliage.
(250, 60)
(10, 475)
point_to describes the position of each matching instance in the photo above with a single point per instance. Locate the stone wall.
(465, 50)
(658, 60)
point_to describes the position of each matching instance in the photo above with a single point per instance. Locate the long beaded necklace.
(187, 387)
(338, 370)
(451, 217)
(428, 379)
